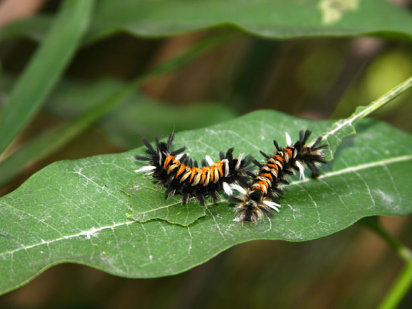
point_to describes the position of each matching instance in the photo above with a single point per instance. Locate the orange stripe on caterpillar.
(261, 197)
(180, 175)
(167, 161)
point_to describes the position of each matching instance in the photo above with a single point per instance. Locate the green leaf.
(147, 204)
(34, 27)
(76, 211)
(44, 69)
(266, 18)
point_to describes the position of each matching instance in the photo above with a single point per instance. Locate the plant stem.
(373, 224)
(364, 111)
(344, 127)
(386, 98)
(404, 281)
(400, 287)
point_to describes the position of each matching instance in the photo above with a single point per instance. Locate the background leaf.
(34, 27)
(266, 18)
(81, 215)
(137, 116)
(44, 69)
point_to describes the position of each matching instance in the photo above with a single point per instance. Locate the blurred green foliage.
(315, 78)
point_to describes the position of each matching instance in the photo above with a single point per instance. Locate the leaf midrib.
(355, 168)
(88, 234)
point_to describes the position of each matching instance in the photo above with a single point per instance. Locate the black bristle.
(316, 142)
(229, 154)
(301, 134)
(247, 160)
(249, 173)
(149, 147)
(278, 191)
(141, 158)
(320, 159)
(185, 198)
(234, 199)
(157, 144)
(264, 154)
(248, 214)
(170, 140)
(183, 158)
(214, 196)
(170, 192)
(267, 212)
(274, 197)
(244, 181)
(178, 151)
(313, 169)
(200, 198)
(303, 137)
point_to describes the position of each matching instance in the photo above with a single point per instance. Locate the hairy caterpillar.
(181, 175)
(261, 197)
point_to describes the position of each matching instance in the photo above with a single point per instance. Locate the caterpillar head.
(252, 208)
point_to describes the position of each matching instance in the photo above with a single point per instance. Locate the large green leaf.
(44, 69)
(76, 211)
(267, 18)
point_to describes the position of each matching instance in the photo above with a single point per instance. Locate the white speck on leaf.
(334, 10)
(92, 232)
(384, 196)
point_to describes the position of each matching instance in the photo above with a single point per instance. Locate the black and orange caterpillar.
(261, 197)
(181, 175)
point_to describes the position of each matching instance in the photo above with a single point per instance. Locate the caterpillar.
(261, 197)
(181, 175)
